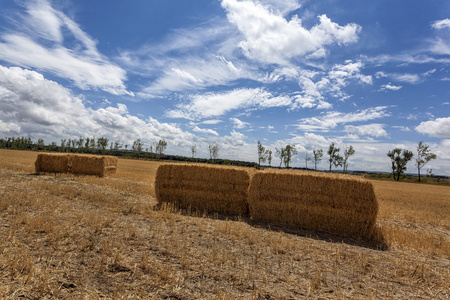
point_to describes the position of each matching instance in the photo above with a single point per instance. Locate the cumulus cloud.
(33, 105)
(270, 38)
(439, 128)
(216, 104)
(332, 119)
(376, 130)
(39, 43)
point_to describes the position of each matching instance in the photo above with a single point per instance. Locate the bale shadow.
(374, 240)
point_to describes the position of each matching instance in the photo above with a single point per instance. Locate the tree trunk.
(418, 169)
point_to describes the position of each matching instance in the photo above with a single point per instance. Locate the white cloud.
(205, 130)
(33, 105)
(402, 128)
(333, 119)
(39, 43)
(212, 122)
(376, 130)
(216, 104)
(270, 38)
(439, 128)
(408, 78)
(238, 124)
(441, 24)
(390, 87)
(331, 84)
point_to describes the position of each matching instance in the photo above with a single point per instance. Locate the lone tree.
(399, 159)
(160, 147)
(424, 155)
(317, 157)
(307, 158)
(286, 154)
(262, 154)
(213, 151)
(347, 153)
(335, 159)
(269, 157)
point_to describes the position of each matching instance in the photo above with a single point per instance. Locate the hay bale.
(76, 164)
(52, 163)
(332, 203)
(93, 164)
(205, 188)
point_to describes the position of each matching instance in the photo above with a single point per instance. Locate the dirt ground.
(84, 237)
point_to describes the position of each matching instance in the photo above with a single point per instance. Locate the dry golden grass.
(84, 237)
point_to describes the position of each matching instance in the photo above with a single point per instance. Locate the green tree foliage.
(137, 147)
(334, 157)
(317, 157)
(262, 153)
(102, 143)
(160, 147)
(269, 157)
(213, 152)
(307, 158)
(424, 155)
(347, 153)
(399, 160)
(286, 154)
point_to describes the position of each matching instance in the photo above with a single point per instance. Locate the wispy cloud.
(211, 105)
(332, 119)
(330, 84)
(390, 87)
(39, 42)
(238, 124)
(441, 24)
(376, 130)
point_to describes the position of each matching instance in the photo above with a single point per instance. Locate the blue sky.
(371, 74)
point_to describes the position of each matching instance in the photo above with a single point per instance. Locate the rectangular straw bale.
(205, 188)
(93, 164)
(327, 202)
(52, 163)
(76, 164)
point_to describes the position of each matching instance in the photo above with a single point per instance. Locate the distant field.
(84, 237)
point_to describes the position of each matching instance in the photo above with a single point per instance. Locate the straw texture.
(53, 163)
(332, 203)
(76, 164)
(94, 165)
(205, 188)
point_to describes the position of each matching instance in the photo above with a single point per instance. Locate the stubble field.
(84, 237)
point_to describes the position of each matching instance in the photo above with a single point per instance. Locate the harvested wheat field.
(70, 236)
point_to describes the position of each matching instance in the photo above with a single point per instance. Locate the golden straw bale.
(52, 163)
(332, 203)
(93, 164)
(205, 188)
(76, 164)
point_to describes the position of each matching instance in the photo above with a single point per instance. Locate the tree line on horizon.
(399, 157)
